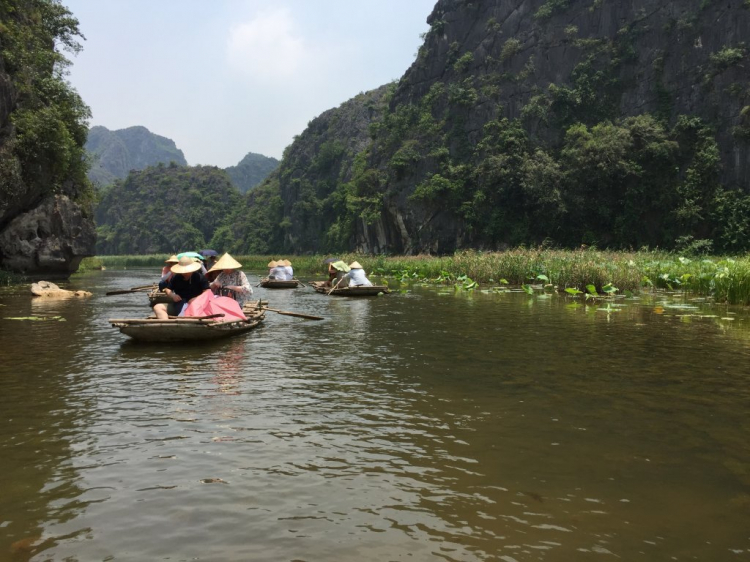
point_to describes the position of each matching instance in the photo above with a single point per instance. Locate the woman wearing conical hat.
(356, 276)
(186, 284)
(288, 269)
(230, 281)
(166, 271)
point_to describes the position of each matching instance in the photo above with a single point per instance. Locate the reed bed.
(723, 278)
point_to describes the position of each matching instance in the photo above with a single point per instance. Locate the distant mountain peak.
(115, 153)
(251, 170)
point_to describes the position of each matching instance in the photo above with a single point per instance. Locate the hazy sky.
(226, 77)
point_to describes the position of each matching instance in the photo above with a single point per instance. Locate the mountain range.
(113, 154)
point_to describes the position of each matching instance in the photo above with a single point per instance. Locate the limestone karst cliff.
(114, 153)
(45, 222)
(619, 124)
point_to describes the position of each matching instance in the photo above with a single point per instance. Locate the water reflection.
(229, 368)
(426, 424)
(46, 416)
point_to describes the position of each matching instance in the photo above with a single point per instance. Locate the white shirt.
(279, 273)
(357, 278)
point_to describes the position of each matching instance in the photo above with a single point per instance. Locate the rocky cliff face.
(314, 173)
(499, 134)
(44, 225)
(48, 241)
(114, 153)
(518, 59)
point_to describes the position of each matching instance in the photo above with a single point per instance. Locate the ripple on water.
(420, 425)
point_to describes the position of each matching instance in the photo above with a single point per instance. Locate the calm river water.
(421, 425)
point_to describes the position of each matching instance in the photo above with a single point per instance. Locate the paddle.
(128, 291)
(151, 286)
(334, 287)
(287, 313)
(219, 315)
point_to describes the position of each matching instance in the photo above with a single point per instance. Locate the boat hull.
(276, 284)
(360, 291)
(187, 329)
(170, 333)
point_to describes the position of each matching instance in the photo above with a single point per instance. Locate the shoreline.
(724, 278)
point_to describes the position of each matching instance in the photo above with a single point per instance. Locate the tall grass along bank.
(726, 279)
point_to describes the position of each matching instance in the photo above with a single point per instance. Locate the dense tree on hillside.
(251, 170)
(164, 209)
(43, 121)
(534, 121)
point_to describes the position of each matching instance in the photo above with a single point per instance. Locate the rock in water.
(50, 290)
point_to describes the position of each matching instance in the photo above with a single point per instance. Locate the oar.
(219, 315)
(334, 287)
(300, 282)
(287, 313)
(152, 317)
(151, 286)
(128, 291)
(171, 320)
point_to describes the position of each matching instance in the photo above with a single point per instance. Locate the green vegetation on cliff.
(43, 121)
(164, 209)
(251, 170)
(528, 126)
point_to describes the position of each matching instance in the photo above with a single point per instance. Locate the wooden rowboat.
(360, 291)
(278, 284)
(188, 328)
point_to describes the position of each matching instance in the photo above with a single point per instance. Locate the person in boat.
(288, 269)
(278, 272)
(186, 284)
(204, 271)
(230, 281)
(196, 257)
(166, 271)
(271, 266)
(332, 271)
(210, 263)
(356, 276)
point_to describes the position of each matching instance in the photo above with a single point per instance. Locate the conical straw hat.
(287, 263)
(226, 262)
(172, 259)
(272, 263)
(185, 265)
(355, 265)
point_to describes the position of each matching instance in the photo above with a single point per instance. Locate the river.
(427, 424)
